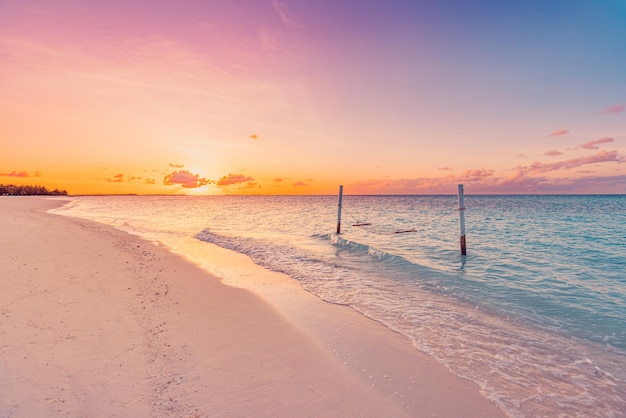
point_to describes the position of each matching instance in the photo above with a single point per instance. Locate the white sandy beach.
(95, 322)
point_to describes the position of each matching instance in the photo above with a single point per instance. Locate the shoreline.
(98, 322)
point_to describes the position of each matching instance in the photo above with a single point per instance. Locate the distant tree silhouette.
(13, 190)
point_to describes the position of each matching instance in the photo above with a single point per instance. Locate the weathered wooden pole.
(462, 219)
(339, 209)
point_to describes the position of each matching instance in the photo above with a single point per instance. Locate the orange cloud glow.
(15, 174)
(118, 178)
(302, 183)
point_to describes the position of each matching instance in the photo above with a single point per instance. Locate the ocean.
(534, 314)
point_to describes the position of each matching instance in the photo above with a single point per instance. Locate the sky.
(297, 97)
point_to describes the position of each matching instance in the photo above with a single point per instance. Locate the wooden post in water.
(339, 210)
(462, 219)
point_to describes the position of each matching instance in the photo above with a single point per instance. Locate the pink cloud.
(559, 132)
(436, 185)
(518, 182)
(15, 174)
(446, 168)
(234, 179)
(186, 179)
(476, 175)
(601, 157)
(523, 179)
(594, 144)
(619, 108)
(553, 153)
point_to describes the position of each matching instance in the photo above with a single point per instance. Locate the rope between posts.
(352, 216)
(385, 231)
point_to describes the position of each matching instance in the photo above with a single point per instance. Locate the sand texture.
(98, 323)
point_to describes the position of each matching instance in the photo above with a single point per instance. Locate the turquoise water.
(535, 314)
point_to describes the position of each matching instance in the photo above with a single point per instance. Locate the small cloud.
(303, 183)
(234, 179)
(278, 179)
(476, 175)
(118, 178)
(594, 144)
(176, 165)
(559, 132)
(16, 174)
(612, 110)
(446, 168)
(254, 136)
(553, 153)
(520, 155)
(185, 179)
(251, 185)
(281, 10)
(150, 181)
